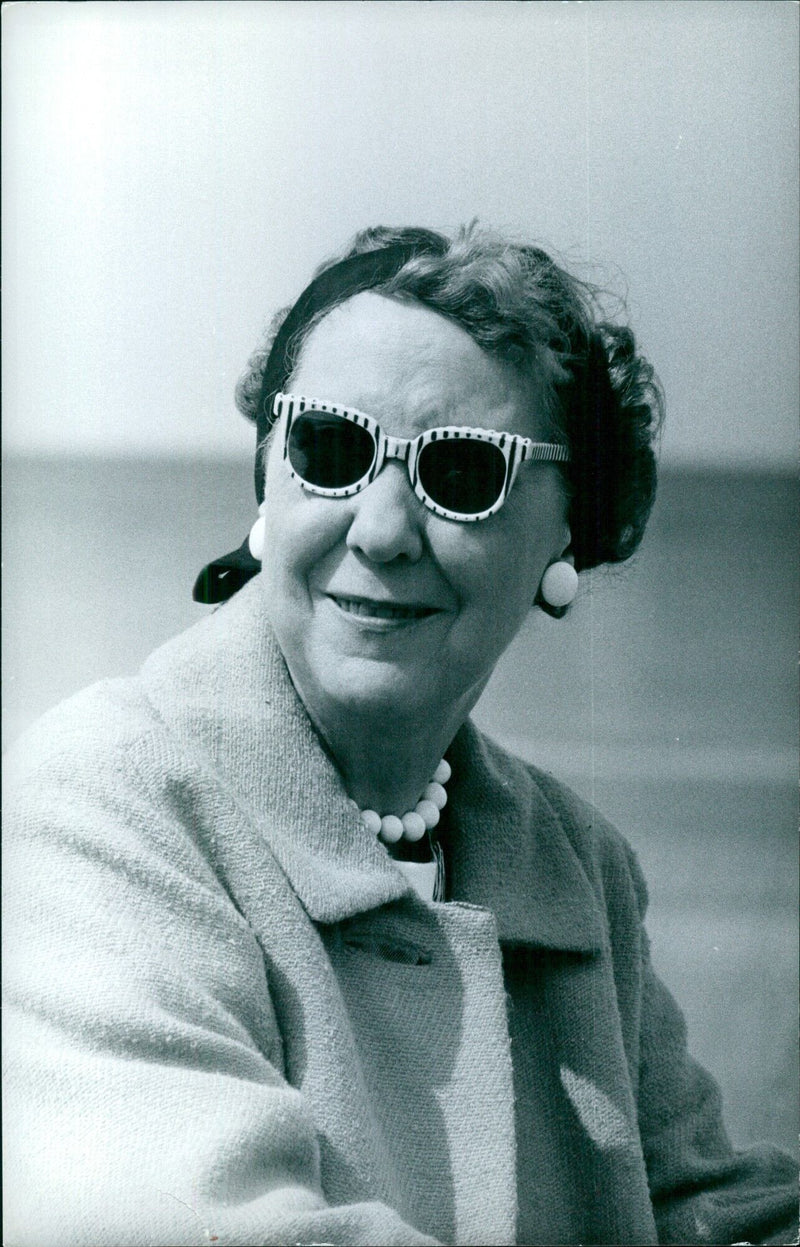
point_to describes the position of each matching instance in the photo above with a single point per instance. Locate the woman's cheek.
(301, 530)
(484, 567)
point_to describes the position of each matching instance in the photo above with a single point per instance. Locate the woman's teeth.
(381, 610)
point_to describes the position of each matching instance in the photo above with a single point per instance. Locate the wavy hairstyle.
(600, 393)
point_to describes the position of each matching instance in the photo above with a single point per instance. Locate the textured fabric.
(230, 1019)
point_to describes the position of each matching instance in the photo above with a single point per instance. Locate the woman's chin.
(393, 691)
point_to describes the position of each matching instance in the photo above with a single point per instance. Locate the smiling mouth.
(383, 610)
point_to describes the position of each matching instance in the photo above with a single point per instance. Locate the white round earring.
(257, 534)
(559, 584)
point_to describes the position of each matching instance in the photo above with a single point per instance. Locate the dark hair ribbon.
(225, 576)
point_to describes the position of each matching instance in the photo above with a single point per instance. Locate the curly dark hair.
(515, 302)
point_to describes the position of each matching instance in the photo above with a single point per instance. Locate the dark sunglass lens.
(328, 451)
(463, 475)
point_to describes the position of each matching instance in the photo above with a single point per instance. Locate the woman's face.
(379, 605)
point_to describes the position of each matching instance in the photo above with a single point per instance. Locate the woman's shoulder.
(592, 835)
(95, 779)
(106, 747)
(606, 856)
(103, 720)
(115, 717)
(119, 783)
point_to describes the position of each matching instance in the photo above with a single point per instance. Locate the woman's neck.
(385, 763)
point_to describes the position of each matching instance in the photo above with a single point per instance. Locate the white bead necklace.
(414, 824)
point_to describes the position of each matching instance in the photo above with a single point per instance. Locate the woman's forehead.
(399, 359)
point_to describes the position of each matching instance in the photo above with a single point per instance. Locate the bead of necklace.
(414, 823)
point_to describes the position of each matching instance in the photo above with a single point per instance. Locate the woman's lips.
(367, 608)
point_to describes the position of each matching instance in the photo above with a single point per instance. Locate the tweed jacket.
(231, 1021)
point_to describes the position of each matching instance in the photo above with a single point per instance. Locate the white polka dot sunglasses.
(459, 473)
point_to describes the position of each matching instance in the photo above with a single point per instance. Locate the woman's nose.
(386, 520)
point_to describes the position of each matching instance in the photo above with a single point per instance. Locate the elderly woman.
(296, 954)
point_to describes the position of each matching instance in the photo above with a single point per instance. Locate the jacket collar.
(223, 689)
